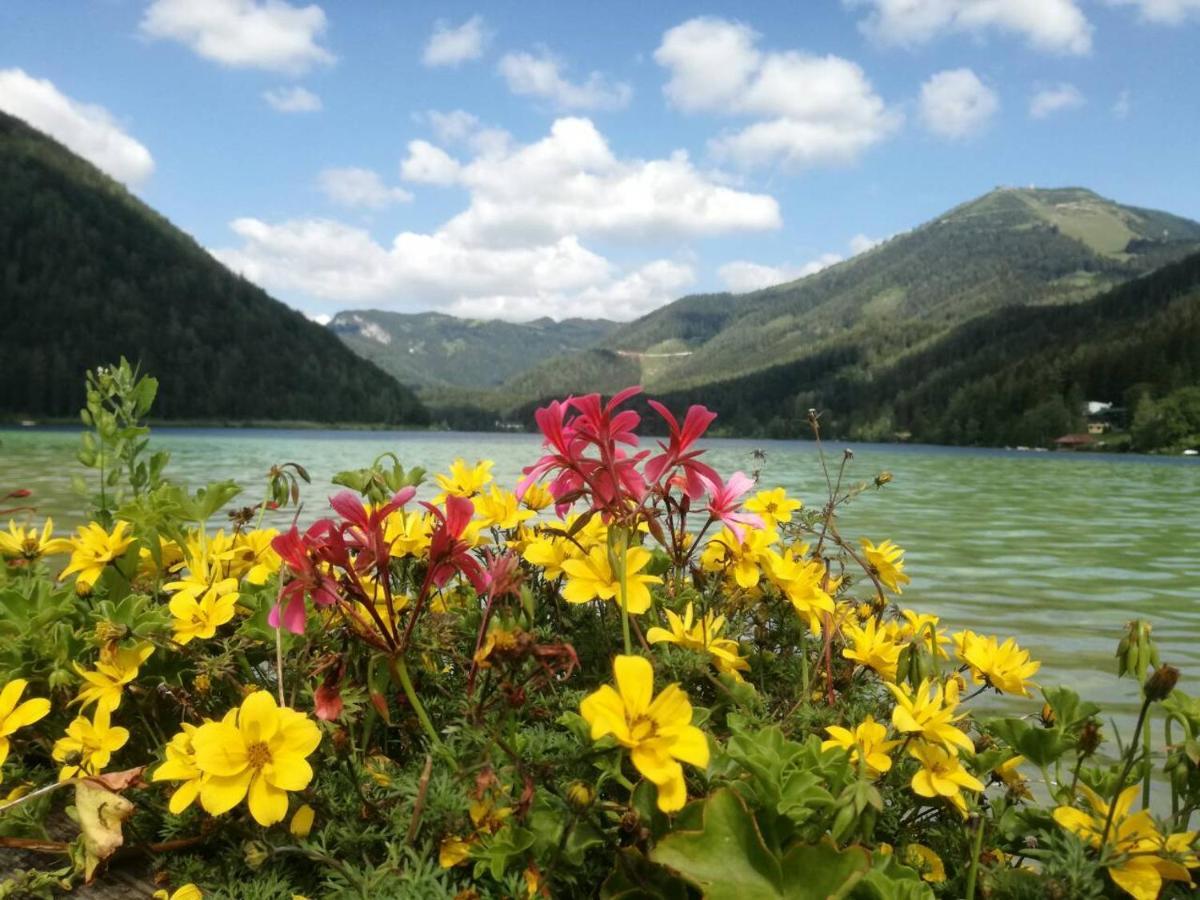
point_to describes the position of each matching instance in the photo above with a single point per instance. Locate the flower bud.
(1161, 682)
(1089, 737)
(255, 854)
(1047, 716)
(883, 478)
(580, 796)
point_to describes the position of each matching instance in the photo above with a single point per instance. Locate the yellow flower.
(657, 730)
(499, 508)
(773, 507)
(463, 480)
(926, 862)
(408, 533)
(873, 647)
(704, 636)
(187, 892)
(14, 715)
(258, 750)
(593, 578)
(1005, 667)
(201, 616)
(181, 766)
(740, 560)
(537, 497)
(802, 581)
(254, 559)
(1009, 774)
(26, 544)
(886, 559)
(941, 775)
(868, 741)
(88, 745)
(549, 553)
(930, 715)
(93, 548)
(924, 628)
(453, 851)
(1142, 856)
(113, 671)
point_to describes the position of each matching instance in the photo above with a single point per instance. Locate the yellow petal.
(219, 793)
(302, 821)
(220, 749)
(259, 717)
(635, 683)
(691, 746)
(268, 804)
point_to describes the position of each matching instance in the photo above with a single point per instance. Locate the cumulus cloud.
(292, 99)
(87, 129)
(356, 187)
(1056, 98)
(260, 34)
(1053, 26)
(517, 250)
(742, 276)
(452, 46)
(1163, 12)
(429, 164)
(955, 104)
(809, 110)
(540, 75)
(339, 263)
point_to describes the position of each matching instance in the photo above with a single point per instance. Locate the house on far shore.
(1073, 441)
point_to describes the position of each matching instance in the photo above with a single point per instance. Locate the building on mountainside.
(1073, 441)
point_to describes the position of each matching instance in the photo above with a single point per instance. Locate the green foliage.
(87, 272)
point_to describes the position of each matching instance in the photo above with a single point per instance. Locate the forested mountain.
(1010, 246)
(88, 273)
(1017, 375)
(432, 350)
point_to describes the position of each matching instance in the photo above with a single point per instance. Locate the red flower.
(300, 553)
(723, 503)
(363, 528)
(448, 552)
(678, 454)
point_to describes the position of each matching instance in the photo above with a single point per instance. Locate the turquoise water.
(1057, 549)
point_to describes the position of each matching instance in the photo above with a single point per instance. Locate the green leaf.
(819, 871)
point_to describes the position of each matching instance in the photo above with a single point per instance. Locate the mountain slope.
(1010, 246)
(434, 350)
(89, 273)
(1017, 375)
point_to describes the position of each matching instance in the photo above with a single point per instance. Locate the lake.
(1057, 549)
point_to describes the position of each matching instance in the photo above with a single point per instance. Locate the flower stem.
(976, 847)
(399, 671)
(1130, 754)
(623, 583)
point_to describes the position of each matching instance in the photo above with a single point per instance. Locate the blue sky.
(524, 159)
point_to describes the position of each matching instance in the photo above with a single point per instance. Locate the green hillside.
(88, 273)
(1011, 246)
(1018, 375)
(431, 350)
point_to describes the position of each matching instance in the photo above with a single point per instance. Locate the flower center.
(30, 548)
(642, 728)
(258, 754)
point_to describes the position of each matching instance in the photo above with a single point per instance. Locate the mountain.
(1011, 246)
(431, 350)
(89, 273)
(1016, 375)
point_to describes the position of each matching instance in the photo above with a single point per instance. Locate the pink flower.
(300, 554)
(678, 454)
(723, 503)
(363, 528)
(448, 552)
(327, 701)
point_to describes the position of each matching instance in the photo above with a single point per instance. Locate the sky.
(523, 159)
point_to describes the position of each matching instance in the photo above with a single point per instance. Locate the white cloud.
(811, 110)
(571, 183)
(1054, 26)
(1057, 98)
(1163, 12)
(517, 249)
(450, 46)
(260, 34)
(428, 164)
(1123, 105)
(292, 99)
(741, 276)
(453, 126)
(85, 128)
(359, 188)
(342, 264)
(540, 75)
(956, 104)
(319, 318)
